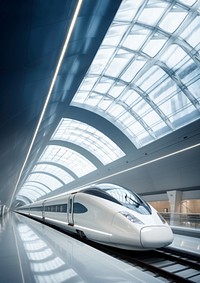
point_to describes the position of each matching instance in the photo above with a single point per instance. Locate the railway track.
(166, 265)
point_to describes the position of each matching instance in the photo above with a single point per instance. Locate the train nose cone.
(156, 237)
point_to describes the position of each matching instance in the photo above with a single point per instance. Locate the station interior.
(104, 91)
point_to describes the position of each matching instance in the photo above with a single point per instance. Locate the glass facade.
(144, 79)
(68, 158)
(145, 76)
(89, 138)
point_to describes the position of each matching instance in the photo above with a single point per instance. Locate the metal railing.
(188, 220)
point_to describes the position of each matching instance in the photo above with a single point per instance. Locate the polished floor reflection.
(33, 252)
(187, 244)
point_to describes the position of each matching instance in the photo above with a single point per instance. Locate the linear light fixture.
(142, 164)
(132, 168)
(49, 93)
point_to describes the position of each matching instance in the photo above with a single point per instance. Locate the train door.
(70, 210)
(43, 210)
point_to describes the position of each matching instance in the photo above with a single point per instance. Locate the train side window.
(79, 208)
(64, 207)
(99, 193)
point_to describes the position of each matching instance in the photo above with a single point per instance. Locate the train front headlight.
(131, 217)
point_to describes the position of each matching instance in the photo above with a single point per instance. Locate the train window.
(56, 208)
(64, 207)
(101, 194)
(79, 208)
(130, 199)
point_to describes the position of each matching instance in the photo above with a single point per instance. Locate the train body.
(107, 214)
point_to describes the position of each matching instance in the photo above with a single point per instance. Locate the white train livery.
(107, 214)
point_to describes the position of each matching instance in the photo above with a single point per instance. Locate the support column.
(175, 198)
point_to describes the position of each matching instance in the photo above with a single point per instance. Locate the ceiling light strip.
(50, 91)
(141, 165)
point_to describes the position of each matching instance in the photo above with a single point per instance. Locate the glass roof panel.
(174, 55)
(154, 46)
(115, 34)
(116, 90)
(127, 11)
(69, 158)
(117, 64)
(152, 12)
(133, 69)
(157, 57)
(151, 118)
(191, 32)
(151, 77)
(93, 99)
(89, 138)
(33, 191)
(103, 85)
(136, 38)
(194, 88)
(104, 103)
(172, 20)
(45, 179)
(188, 2)
(39, 186)
(89, 83)
(102, 58)
(164, 91)
(54, 170)
(28, 194)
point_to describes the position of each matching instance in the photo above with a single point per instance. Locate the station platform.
(186, 240)
(33, 252)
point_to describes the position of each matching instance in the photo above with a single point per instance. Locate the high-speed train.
(107, 214)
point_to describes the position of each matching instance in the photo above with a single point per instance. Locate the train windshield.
(128, 199)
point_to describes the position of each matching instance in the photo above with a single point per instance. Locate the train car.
(107, 214)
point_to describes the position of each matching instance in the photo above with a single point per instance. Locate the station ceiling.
(98, 91)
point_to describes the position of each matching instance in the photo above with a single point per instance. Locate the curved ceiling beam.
(44, 178)
(69, 158)
(70, 172)
(48, 174)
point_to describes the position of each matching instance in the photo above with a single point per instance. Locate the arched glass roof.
(38, 185)
(145, 77)
(28, 194)
(54, 170)
(68, 158)
(31, 190)
(43, 178)
(89, 138)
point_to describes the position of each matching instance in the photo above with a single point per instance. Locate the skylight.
(68, 158)
(145, 77)
(38, 185)
(48, 180)
(89, 138)
(28, 194)
(54, 170)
